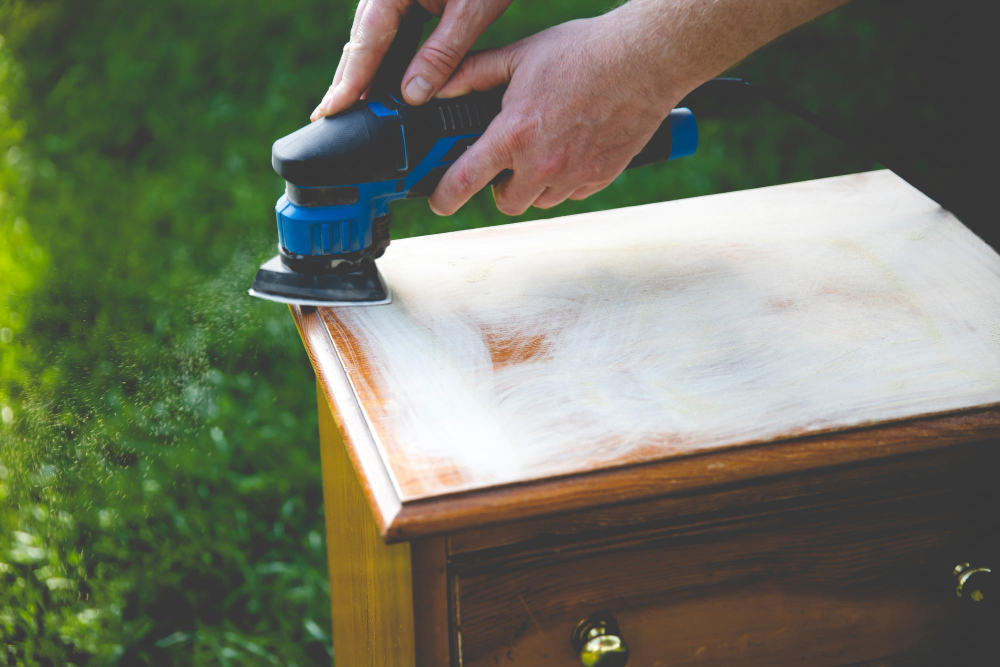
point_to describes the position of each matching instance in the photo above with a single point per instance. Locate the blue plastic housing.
(334, 230)
(348, 228)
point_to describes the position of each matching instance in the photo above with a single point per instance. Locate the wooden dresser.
(754, 428)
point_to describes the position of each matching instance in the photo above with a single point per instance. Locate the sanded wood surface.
(592, 342)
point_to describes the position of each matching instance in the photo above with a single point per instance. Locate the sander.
(341, 172)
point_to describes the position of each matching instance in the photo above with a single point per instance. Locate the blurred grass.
(160, 497)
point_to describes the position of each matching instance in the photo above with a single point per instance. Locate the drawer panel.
(825, 578)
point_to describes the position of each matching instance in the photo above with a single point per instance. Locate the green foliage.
(160, 496)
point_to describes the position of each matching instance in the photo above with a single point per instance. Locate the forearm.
(691, 41)
(584, 97)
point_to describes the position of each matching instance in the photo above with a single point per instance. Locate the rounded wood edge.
(697, 472)
(401, 521)
(340, 400)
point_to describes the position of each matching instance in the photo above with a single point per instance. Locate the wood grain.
(553, 348)
(390, 602)
(341, 406)
(431, 613)
(371, 585)
(808, 488)
(676, 477)
(849, 567)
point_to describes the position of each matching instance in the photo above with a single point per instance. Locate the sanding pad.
(361, 286)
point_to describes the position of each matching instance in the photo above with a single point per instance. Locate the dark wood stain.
(826, 568)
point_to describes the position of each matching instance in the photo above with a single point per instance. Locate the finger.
(587, 190)
(336, 79)
(375, 28)
(461, 25)
(339, 74)
(482, 70)
(516, 193)
(358, 13)
(552, 197)
(471, 172)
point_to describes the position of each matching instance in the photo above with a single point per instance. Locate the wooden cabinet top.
(592, 359)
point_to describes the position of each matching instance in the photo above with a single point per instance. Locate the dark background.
(160, 496)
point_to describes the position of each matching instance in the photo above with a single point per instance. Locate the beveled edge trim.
(690, 473)
(346, 411)
(398, 521)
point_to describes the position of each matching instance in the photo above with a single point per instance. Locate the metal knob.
(599, 641)
(973, 583)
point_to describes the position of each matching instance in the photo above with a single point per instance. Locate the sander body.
(342, 172)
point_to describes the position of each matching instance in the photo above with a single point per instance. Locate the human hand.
(581, 102)
(375, 25)
(584, 97)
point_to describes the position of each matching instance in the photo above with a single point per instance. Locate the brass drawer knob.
(973, 583)
(599, 641)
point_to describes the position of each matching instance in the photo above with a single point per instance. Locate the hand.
(375, 24)
(584, 97)
(581, 102)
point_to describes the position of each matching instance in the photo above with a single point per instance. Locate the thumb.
(482, 70)
(461, 25)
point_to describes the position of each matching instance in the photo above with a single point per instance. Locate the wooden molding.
(404, 521)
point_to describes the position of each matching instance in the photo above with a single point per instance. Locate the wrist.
(687, 42)
(650, 47)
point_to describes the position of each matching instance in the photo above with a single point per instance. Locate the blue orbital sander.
(341, 172)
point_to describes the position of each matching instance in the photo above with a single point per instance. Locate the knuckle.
(496, 154)
(351, 85)
(441, 57)
(469, 12)
(521, 134)
(463, 180)
(358, 47)
(552, 165)
(373, 27)
(603, 175)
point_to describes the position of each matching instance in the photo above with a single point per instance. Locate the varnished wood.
(431, 604)
(657, 470)
(371, 585)
(648, 333)
(817, 525)
(807, 488)
(847, 568)
(680, 476)
(348, 421)
(390, 602)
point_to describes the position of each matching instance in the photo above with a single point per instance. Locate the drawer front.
(842, 573)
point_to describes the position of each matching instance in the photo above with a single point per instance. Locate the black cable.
(864, 145)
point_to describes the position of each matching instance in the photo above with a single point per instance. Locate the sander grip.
(676, 137)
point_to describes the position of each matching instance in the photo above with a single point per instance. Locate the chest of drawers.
(753, 428)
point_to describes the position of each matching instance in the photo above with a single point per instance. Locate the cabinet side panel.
(430, 601)
(370, 581)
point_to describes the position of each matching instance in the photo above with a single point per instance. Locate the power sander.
(341, 172)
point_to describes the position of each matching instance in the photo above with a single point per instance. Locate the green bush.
(159, 479)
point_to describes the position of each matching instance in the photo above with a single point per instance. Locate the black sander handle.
(404, 45)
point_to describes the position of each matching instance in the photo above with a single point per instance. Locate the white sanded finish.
(540, 349)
